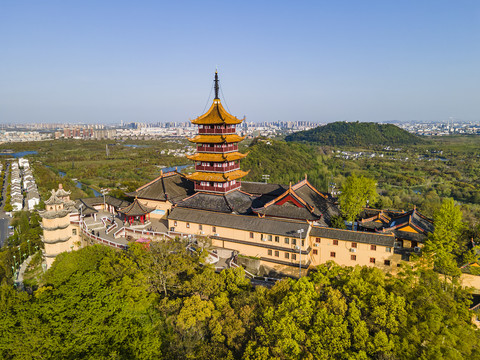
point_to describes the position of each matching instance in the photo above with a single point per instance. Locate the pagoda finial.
(216, 85)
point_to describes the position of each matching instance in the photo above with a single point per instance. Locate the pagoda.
(217, 160)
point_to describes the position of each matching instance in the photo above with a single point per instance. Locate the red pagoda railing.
(216, 189)
(203, 148)
(217, 131)
(217, 168)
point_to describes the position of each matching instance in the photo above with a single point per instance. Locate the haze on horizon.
(149, 61)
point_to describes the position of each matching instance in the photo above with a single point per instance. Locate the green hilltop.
(356, 134)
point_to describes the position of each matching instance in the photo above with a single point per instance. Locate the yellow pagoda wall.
(58, 229)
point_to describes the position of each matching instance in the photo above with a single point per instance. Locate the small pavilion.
(135, 212)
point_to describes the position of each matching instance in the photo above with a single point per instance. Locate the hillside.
(356, 134)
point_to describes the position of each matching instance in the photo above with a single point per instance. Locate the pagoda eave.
(217, 157)
(217, 177)
(216, 115)
(216, 139)
(216, 121)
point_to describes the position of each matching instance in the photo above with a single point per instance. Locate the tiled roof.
(315, 205)
(217, 139)
(217, 177)
(258, 188)
(287, 210)
(235, 201)
(136, 209)
(353, 236)
(407, 235)
(53, 199)
(170, 186)
(242, 222)
(322, 203)
(216, 115)
(110, 200)
(221, 157)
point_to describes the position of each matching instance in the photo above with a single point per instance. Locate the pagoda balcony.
(214, 149)
(217, 131)
(217, 168)
(216, 189)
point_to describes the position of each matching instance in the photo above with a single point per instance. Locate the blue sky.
(148, 61)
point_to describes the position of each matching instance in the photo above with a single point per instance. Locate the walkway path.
(21, 272)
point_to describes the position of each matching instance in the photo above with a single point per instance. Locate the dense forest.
(343, 133)
(159, 302)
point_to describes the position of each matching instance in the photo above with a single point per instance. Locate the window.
(188, 225)
(277, 253)
(214, 229)
(74, 231)
(317, 240)
(386, 262)
(332, 254)
(372, 260)
(200, 227)
(335, 242)
(287, 240)
(294, 241)
(174, 223)
(373, 247)
(251, 235)
(353, 257)
(269, 252)
(303, 242)
(269, 237)
(315, 252)
(354, 245)
(388, 249)
(294, 256)
(277, 238)
(287, 255)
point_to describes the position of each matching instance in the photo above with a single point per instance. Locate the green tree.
(356, 193)
(442, 245)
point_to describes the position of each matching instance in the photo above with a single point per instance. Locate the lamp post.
(104, 191)
(28, 243)
(300, 231)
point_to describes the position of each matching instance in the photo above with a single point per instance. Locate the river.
(18, 154)
(79, 185)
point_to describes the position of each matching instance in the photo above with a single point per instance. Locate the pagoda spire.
(216, 85)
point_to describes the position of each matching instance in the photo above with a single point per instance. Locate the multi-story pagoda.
(217, 160)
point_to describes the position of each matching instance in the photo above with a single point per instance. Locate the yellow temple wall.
(161, 208)
(263, 249)
(344, 251)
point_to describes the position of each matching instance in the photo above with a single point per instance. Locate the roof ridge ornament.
(216, 85)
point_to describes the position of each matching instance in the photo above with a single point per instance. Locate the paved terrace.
(111, 231)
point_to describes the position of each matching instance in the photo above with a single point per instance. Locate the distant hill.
(356, 134)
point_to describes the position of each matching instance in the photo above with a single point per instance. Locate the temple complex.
(271, 229)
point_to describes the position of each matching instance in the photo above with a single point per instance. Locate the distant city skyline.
(318, 61)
